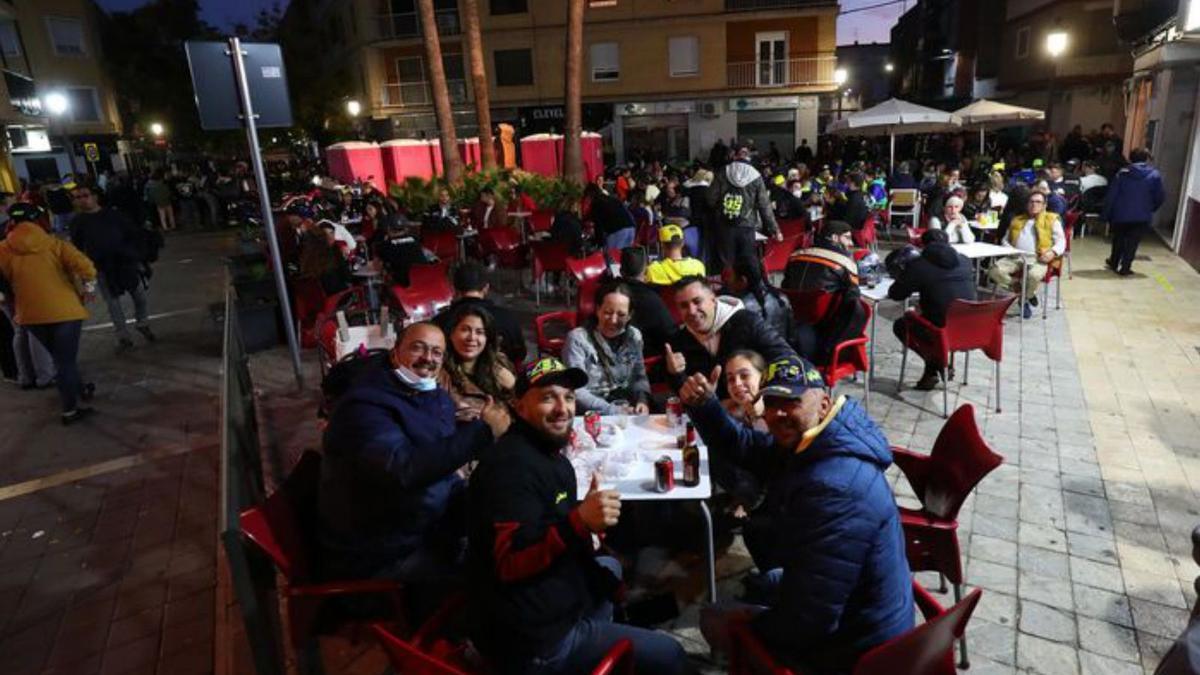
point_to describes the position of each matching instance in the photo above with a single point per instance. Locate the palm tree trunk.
(483, 112)
(451, 162)
(572, 152)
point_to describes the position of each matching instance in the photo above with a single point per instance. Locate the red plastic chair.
(867, 236)
(849, 357)
(1055, 268)
(442, 244)
(280, 527)
(969, 325)
(541, 220)
(667, 293)
(591, 267)
(791, 227)
(927, 649)
(505, 244)
(942, 480)
(547, 343)
(445, 658)
(548, 256)
(810, 307)
(776, 254)
(585, 305)
(308, 299)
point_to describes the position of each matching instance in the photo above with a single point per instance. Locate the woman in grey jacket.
(610, 351)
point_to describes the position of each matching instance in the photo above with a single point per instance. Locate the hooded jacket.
(846, 582)
(941, 275)
(42, 271)
(740, 198)
(734, 328)
(110, 240)
(1135, 194)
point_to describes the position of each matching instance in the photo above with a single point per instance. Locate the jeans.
(62, 340)
(1125, 240)
(430, 574)
(117, 313)
(620, 239)
(591, 638)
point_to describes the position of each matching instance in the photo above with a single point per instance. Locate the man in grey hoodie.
(741, 204)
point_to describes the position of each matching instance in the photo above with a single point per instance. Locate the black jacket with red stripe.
(533, 573)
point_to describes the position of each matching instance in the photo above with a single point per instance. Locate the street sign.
(216, 89)
(91, 152)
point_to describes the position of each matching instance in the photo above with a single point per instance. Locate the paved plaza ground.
(1080, 540)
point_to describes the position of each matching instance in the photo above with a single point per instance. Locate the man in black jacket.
(541, 597)
(647, 310)
(471, 288)
(828, 267)
(742, 203)
(941, 275)
(713, 328)
(853, 208)
(614, 225)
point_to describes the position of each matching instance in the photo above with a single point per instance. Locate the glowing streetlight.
(887, 67)
(840, 76)
(56, 103)
(353, 107)
(1056, 43)
(157, 129)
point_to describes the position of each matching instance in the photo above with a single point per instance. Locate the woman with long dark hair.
(474, 368)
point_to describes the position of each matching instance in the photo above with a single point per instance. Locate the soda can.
(664, 474)
(674, 411)
(591, 423)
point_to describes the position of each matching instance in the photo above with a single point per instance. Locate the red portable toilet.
(542, 154)
(355, 160)
(592, 149)
(404, 157)
(472, 155)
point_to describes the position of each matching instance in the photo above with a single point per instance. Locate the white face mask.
(415, 381)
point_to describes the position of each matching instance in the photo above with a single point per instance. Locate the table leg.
(870, 375)
(712, 556)
(1021, 339)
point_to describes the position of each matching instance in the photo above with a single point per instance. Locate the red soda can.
(591, 423)
(674, 411)
(664, 474)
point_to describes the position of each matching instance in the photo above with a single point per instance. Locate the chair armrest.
(349, 587)
(835, 360)
(434, 626)
(914, 466)
(619, 659)
(747, 654)
(925, 602)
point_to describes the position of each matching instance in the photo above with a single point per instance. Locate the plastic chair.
(849, 357)
(308, 299)
(905, 204)
(548, 256)
(791, 227)
(546, 343)
(1054, 269)
(280, 527)
(776, 254)
(942, 481)
(541, 220)
(442, 244)
(969, 325)
(505, 244)
(927, 649)
(591, 267)
(585, 305)
(810, 307)
(866, 236)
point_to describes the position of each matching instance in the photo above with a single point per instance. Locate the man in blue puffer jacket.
(1129, 206)
(391, 500)
(828, 533)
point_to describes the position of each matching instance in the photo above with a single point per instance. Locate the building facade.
(50, 52)
(868, 69)
(662, 78)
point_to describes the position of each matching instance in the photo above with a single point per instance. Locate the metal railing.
(241, 487)
(418, 93)
(799, 72)
(751, 5)
(408, 25)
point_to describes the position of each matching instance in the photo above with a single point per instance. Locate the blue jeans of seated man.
(590, 639)
(620, 239)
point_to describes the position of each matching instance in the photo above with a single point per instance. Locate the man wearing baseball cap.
(674, 265)
(827, 537)
(542, 599)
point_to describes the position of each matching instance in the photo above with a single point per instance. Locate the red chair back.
(541, 220)
(928, 649)
(443, 244)
(810, 307)
(959, 460)
(585, 305)
(866, 235)
(548, 343)
(430, 276)
(278, 526)
(408, 659)
(667, 293)
(851, 356)
(977, 325)
(791, 227)
(549, 256)
(775, 258)
(499, 239)
(591, 267)
(308, 298)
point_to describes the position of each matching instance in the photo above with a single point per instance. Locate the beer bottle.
(691, 465)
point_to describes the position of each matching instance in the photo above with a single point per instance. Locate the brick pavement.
(111, 569)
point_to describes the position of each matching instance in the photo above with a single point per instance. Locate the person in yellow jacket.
(1039, 232)
(674, 265)
(51, 280)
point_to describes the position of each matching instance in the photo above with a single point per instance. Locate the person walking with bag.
(43, 272)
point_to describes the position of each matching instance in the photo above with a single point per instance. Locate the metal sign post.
(264, 200)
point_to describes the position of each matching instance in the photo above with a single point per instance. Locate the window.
(410, 72)
(10, 44)
(66, 35)
(514, 67)
(772, 61)
(499, 7)
(684, 53)
(456, 82)
(85, 104)
(606, 62)
(1023, 42)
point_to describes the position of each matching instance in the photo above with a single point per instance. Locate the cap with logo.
(790, 377)
(669, 233)
(22, 212)
(549, 371)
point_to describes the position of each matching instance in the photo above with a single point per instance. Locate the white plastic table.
(645, 439)
(978, 250)
(874, 296)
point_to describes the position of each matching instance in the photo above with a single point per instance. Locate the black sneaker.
(1110, 264)
(1033, 300)
(77, 415)
(147, 333)
(124, 345)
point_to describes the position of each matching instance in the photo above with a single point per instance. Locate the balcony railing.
(751, 5)
(418, 93)
(808, 71)
(408, 25)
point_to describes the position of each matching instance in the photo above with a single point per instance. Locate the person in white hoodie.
(741, 202)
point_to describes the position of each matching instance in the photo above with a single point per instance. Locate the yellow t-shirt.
(668, 271)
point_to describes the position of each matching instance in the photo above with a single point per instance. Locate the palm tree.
(441, 95)
(573, 132)
(479, 83)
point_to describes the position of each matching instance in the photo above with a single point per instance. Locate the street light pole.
(1056, 44)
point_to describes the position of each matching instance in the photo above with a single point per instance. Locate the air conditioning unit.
(709, 109)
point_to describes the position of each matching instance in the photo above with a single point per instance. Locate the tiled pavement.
(110, 569)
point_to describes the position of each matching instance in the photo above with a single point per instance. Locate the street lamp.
(57, 104)
(156, 129)
(839, 78)
(887, 67)
(353, 107)
(1056, 46)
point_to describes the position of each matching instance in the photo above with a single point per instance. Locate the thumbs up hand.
(675, 361)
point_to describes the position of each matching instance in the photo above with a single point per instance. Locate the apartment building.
(663, 78)
(50, 54)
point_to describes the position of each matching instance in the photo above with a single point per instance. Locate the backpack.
(734, 205)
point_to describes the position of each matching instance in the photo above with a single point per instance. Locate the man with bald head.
(391, 502)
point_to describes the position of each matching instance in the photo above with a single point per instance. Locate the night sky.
(868, 26)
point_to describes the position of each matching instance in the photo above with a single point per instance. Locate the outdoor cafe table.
(645, 439)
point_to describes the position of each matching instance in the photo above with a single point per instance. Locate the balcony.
(409, 94)
(408, 25)
(808, 71)
(758, 5)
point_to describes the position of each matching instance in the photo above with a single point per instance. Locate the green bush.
(417, 195)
